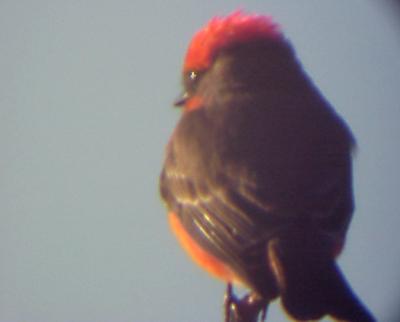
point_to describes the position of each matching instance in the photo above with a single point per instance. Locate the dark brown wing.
(224, 222)
(235, 182)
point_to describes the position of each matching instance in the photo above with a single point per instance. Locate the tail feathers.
(311, 284)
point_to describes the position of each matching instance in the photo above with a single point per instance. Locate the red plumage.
(222, 32)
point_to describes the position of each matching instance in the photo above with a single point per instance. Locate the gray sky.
(85, 92)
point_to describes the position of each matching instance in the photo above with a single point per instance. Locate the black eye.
(191, 79)
(193, 75)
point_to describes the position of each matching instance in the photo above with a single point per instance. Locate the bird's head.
(237, 51)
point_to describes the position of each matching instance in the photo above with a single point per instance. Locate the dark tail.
(311, 284)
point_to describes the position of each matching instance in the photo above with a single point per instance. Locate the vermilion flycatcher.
(257, 176)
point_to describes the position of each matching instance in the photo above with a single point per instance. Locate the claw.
(229, 303)
(247, 309)
(264, 313)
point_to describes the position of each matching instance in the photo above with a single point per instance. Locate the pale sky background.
(85, 112)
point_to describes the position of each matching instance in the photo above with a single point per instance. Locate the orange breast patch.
(208, 262)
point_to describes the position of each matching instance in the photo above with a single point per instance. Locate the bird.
(257, 175)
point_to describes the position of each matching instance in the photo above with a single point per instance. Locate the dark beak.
(181, 100)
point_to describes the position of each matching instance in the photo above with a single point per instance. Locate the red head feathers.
(222, 32)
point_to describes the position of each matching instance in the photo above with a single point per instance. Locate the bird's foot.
(247, 309)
